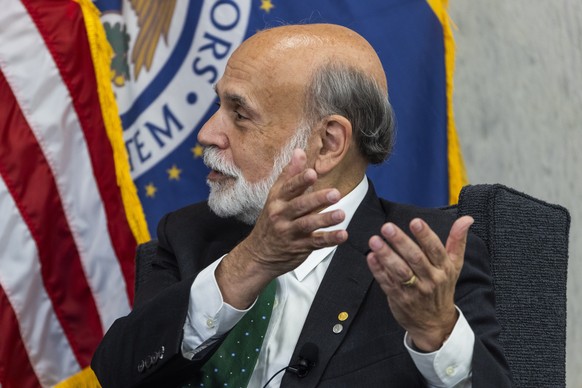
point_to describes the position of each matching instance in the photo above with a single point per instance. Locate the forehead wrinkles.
(241, 68)
(253, 80)
(270, 75)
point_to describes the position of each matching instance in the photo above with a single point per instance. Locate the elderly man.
(355, 291)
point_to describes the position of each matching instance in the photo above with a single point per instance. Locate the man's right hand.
(286, 233)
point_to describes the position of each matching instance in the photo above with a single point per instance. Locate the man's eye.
(239, 116)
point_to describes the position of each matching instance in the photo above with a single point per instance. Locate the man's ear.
(336, 139)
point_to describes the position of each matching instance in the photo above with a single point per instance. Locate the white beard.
(242, 199)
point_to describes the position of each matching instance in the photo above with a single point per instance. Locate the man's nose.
(213, 132)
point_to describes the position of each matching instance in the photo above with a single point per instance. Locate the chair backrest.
(528, 244)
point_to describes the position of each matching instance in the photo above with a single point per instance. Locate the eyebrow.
(238, 100)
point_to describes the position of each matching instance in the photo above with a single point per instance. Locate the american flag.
(69, 215)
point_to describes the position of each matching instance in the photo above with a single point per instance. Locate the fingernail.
(333, 196)
(469, 223)
(375, 243)
(416, 225)
(389, 230)
(309, 175)
(337, 215)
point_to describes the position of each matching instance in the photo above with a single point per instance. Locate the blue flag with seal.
(169, 54)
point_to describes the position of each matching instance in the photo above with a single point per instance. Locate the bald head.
(309, 47)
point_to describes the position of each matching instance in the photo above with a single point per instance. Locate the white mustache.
(214, 160)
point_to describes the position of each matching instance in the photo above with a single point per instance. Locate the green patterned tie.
(234, 361)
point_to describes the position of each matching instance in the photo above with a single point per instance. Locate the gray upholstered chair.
(528, 243)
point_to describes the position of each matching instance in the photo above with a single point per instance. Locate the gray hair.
(347, 91)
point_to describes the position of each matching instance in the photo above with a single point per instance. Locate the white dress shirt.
(209, 317)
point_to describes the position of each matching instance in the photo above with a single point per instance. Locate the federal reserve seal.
(168, 56)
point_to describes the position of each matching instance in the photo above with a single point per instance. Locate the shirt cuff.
(209, 317)
(450, 365)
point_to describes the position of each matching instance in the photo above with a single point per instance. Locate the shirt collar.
(348, 204)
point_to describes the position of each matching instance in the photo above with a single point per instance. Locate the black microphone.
(308, 356)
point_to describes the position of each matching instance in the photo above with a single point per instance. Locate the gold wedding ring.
(410, 282)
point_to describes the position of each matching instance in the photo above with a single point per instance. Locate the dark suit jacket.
(143, 349)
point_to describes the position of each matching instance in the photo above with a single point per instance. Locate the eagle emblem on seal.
(153, 20)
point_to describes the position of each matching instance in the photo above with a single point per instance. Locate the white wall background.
(518, 109)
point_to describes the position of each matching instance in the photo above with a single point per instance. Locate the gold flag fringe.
(101, 53)
(457, 172)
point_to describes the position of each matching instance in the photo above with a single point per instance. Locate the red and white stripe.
(66, 250)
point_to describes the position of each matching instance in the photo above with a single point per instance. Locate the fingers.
(290, 201)
(296, 164)
(409, 252)
(291, 224)
(418, 275)
(304, 221)
(387, 265)
(429, 243)
(403, 257)
(457, 240)
(295, 178)
(328, 239)
(311, 202)
(382, 276)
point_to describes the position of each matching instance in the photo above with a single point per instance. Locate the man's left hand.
(419, 278)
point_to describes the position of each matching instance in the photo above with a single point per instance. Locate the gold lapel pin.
(343, 316)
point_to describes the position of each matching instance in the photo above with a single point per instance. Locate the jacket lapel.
(342, 289)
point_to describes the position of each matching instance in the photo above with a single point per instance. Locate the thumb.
(296, 164)
(457, 240)
(286, 185)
